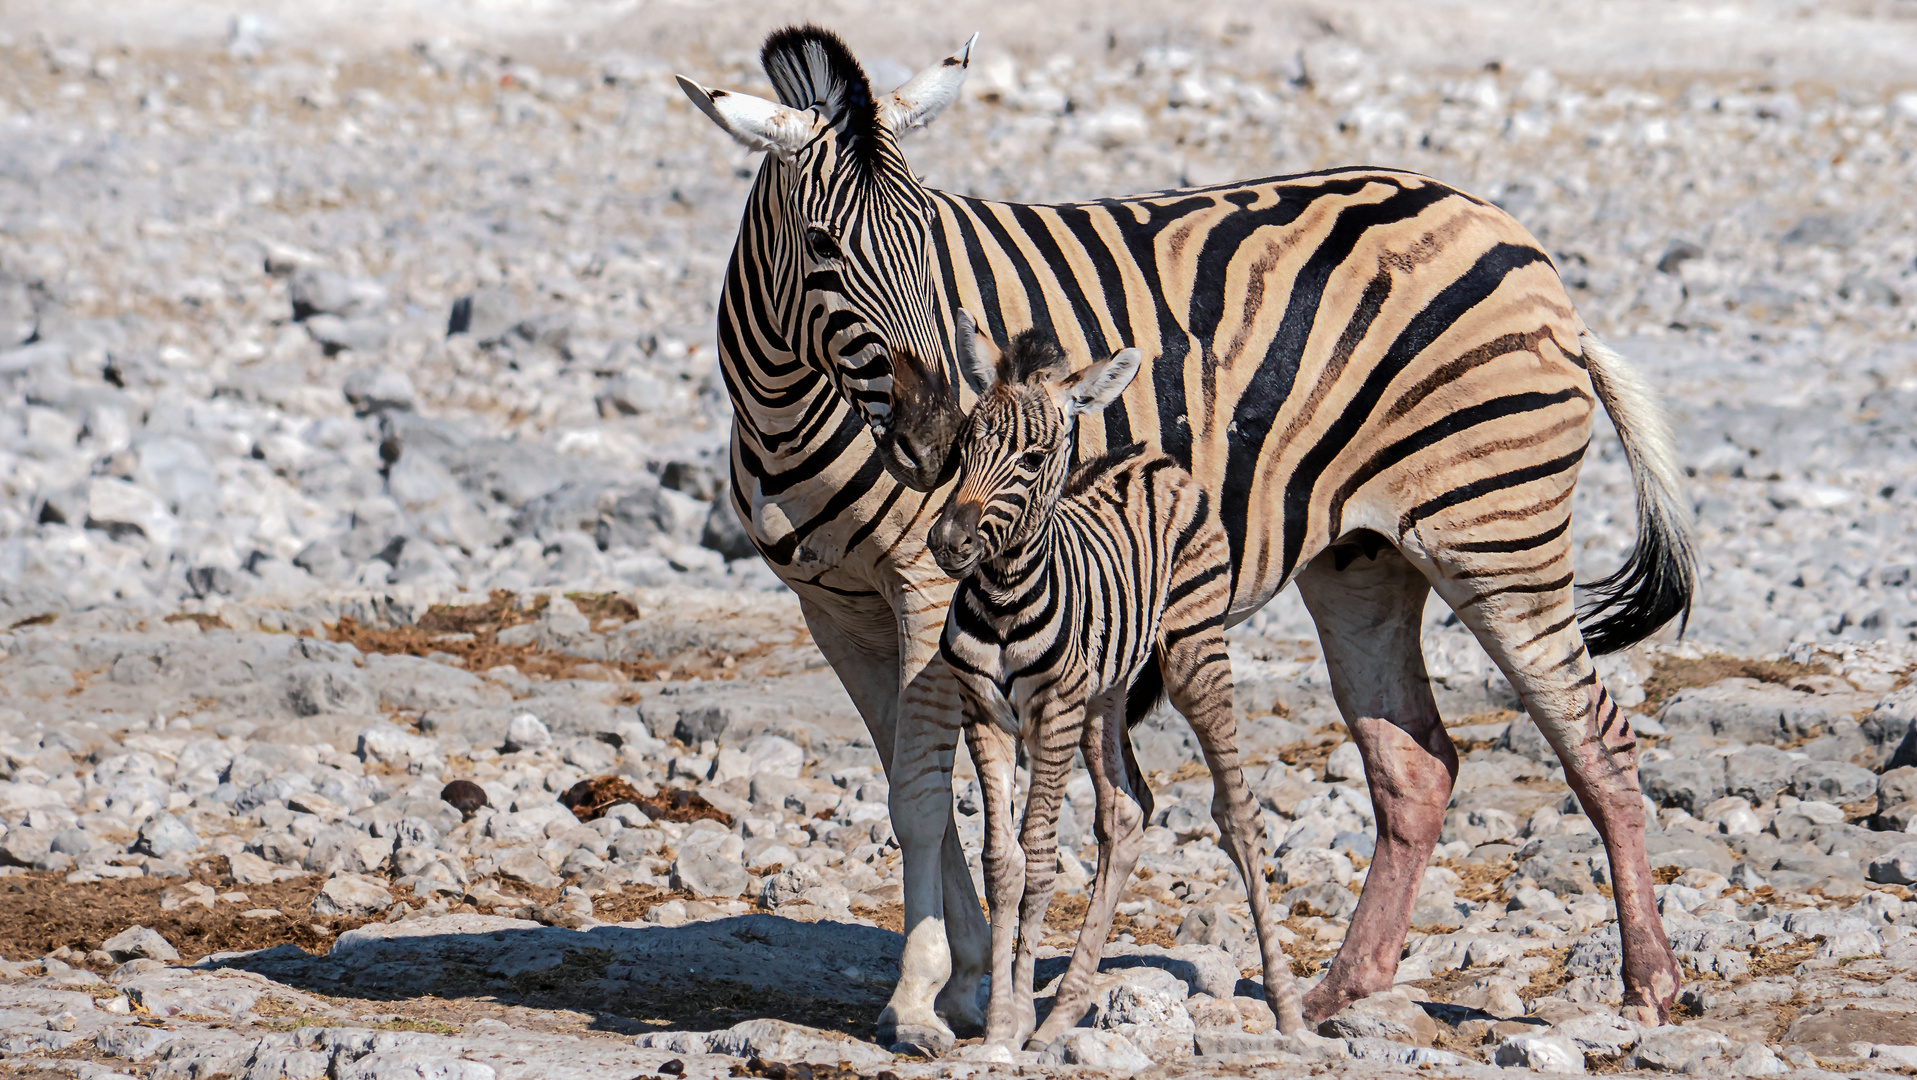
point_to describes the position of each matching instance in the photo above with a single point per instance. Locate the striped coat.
(1078, 595)
(1379, 380)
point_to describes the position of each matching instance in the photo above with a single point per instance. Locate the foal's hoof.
(920, 1040)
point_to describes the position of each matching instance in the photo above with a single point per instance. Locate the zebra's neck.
(1013, 576)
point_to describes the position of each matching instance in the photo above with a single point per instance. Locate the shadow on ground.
(699, 977)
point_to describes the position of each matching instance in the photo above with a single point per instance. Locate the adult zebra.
(1380, 379)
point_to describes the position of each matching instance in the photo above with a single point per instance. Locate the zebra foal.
(1081, 591)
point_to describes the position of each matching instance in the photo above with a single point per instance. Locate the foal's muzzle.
(954, 539)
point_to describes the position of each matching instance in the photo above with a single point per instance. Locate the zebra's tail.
(1655, 584)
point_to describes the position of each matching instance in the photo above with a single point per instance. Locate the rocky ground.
(359, 434)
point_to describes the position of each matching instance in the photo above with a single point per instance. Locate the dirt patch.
(469, 634)
(1439, 988)
(1767, 962)
(500, 611)
(1067, 916)
(1481, 881)
(632, 903)
(481, 651)
(604, 609)
(1498, 716)
(1190, 770)
(41, 912)
(1669, 674)
(589, 799)
(1312, 753)
(674, 804)
(887, 916)
(1549, 979)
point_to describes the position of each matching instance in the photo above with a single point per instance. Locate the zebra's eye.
(822, 244)
(1032, 460)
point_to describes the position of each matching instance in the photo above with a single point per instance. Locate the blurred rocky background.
(360, 433)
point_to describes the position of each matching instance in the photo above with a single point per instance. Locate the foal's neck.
(1010, 577)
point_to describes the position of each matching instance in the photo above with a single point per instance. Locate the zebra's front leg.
(910, 708)
(945, 938)
(1054, 738)
(1120, 828)
(994, 755)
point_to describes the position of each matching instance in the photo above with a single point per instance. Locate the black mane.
(812, 68)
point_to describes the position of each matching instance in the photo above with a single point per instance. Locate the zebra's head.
(847, 230)
(1015, 448)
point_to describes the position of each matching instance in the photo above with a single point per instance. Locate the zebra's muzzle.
(915, 441)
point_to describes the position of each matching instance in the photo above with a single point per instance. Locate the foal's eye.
(822, 244)
(1032, 460)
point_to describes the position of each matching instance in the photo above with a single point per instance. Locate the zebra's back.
(1329, 352)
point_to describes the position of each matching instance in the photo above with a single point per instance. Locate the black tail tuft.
(1653, 587)
(1655, 584)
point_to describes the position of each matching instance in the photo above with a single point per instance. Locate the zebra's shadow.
(629, 979)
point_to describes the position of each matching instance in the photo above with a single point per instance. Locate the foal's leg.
(1119, 826)
(1370, 616)
(994, 754)
(1198, 680)
(1054, 737)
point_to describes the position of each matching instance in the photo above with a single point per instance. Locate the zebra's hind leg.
(994, 753)
(1532, 634)
(1120, 827)
(1369, 618)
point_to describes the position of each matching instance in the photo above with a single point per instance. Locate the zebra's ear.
(758, 124)
(977, 357)
(925, 95)
(1094, 386)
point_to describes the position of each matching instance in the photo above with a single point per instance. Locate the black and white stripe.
(1368, 372)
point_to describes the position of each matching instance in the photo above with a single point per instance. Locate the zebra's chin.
(921, 468)
(958, 569)
(916, 439)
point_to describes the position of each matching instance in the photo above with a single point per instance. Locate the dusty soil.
(40, 912)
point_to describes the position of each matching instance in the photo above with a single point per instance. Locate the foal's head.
(1015, 448)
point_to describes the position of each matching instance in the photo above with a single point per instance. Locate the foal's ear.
(977, 356)
(1094, 386)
